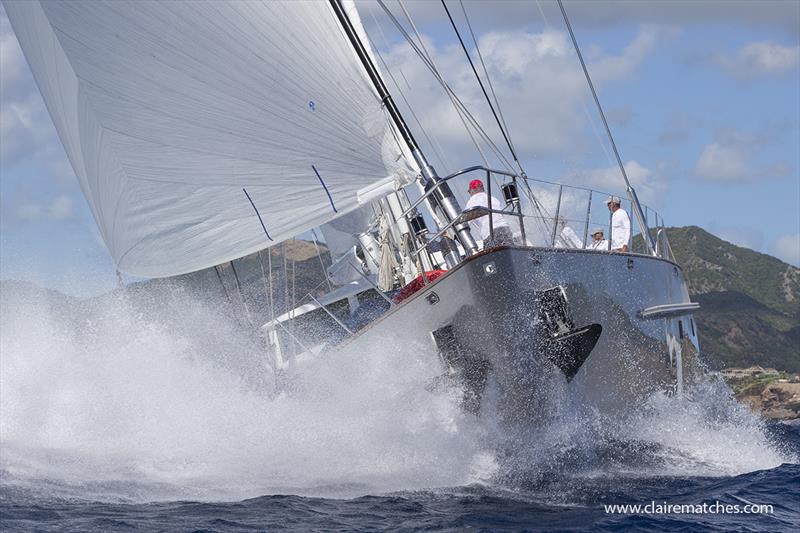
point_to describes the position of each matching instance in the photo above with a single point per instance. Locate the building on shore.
(751, 372)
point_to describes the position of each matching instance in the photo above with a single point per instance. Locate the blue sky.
(703, 99)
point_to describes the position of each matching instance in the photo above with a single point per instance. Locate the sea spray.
(110, 396)
(704, 432)
(162, 394)
(707, 432)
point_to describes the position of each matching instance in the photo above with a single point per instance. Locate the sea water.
(117, 414)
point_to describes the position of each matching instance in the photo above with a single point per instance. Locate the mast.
(444, 195)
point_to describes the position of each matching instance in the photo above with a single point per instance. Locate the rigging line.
(491, 88)
(271, 286)
(594, 94)
(485, 70)
(447, 87)
(526, 187)
(267, 289)
(585, 109)
(436, 147)
(228, 296)
(543, 211)
(287, 303)
(432, 62)
(631, 192)
(241, 294)
(294, 285)
(285, 278)
(389, 71)
(483, 88)
(224, 288)
(321, 262)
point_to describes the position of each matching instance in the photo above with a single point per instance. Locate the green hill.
(750, 302)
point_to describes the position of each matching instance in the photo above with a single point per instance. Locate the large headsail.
(202, 132)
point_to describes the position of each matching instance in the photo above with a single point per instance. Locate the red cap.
(475, 184)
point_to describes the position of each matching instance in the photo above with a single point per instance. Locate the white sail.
(341, 238)
(191, 124)
(342, 235)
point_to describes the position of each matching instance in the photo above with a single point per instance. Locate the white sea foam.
(116, 398)
(704, 432)
(707, 432)
(110, 400)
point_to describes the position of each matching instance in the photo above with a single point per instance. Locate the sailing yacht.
(205, 133)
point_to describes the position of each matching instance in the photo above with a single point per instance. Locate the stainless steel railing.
(543, 208)
(546, 207)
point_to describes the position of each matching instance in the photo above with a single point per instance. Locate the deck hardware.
(432, 298)
(630, 263)
(536, 260)
(510, 194)
(418, 224)
(566, 346)
(668, 310)
(490, 268)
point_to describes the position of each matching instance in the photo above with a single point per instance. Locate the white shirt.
(568, 239)
(620, 229)
(481, 224)
(602, 244)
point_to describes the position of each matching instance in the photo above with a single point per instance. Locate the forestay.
(188, 124)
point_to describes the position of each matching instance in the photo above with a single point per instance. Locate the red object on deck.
(416, 284)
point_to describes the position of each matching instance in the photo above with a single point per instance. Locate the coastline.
(774, 395)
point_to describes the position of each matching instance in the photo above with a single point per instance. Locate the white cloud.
(28, 211)
(538, 81)
(649, 184)
(729, 159)
(35, 169)
(26, 129)
(781, 15)
(622, 66)
(761, 59)
(787, 247)
(12, 63)
(719, 162)
(60, 208)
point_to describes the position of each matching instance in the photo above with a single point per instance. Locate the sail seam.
(257, 213)
(330, 198)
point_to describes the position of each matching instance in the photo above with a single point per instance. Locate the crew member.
(620, 225)
(597, 242)
(567, 238)
(502, 231)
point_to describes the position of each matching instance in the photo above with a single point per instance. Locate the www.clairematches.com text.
(688, 508)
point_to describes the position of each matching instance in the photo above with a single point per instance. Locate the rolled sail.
(201, 132)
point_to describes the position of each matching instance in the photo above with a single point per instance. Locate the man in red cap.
(480, 225)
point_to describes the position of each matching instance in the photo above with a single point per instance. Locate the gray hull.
(486, 319)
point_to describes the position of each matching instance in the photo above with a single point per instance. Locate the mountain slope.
(750, 302)
(715, 265)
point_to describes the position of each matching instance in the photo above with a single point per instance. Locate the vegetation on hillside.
(715, 265)
(750, 302)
